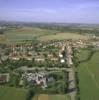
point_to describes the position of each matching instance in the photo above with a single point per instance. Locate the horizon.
(29, 22)
(49, 11)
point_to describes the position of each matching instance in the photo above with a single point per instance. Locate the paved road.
(72, 91)
(72, 85)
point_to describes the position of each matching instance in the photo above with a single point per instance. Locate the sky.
(62, 11)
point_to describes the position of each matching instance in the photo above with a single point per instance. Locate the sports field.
(10, 93)
(89, 78)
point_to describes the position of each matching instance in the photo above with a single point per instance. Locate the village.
(39, 64)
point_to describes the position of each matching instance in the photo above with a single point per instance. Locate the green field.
(83, 54)
(30, 33)
(89, 77)
(51, 97)
(27, 33)
(9, 93)
(58, 97)
(3, 39)
(60, 36)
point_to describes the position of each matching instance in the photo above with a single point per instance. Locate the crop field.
(30, 33)
(9, 93)
(58, 97)
(27, 33)
(51, 97)
(89, 78)
(43, 97)
(83, 54)
(3, 39)
(60, 36)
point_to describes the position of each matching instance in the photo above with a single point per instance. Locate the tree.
(30, 94)
(1, 31)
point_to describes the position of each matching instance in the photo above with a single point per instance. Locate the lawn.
(10, 93)
(89, 78)
(51, 97)
(60, 36)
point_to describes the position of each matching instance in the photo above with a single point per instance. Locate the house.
(50, 55)
(39, 59)
(54, 59)
(60, 55)
(21, 83)
(36, 79)
(4, 78)
(62, 61)
(14, 56)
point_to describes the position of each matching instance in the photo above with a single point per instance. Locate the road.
(72, 90)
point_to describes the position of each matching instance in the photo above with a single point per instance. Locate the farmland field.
(51, 97)
(89, 78)
(3, 39)
(43, 97)
(27, 33)
(58, 97)
(83, 54)
(60, 36)
(9, 93)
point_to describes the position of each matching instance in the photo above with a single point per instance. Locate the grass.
(35, 97)
(14, 80)
(89, 78)
(43, 97)
(60, 36)
(27, 33)
(51, 97)
(58, 97)
(3, 39)
(83, 54)
(10, 93)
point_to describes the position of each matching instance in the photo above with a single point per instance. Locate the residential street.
(72, 90)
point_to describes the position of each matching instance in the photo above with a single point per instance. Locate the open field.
(43, 97)
(9, 93)
(83, 54)
(89, 78)
(60, 36)
(30, 33)
(27, 33)
(3, 39)
(58, 97)
(51, 97)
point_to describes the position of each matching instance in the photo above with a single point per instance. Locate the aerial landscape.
(49, 50)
